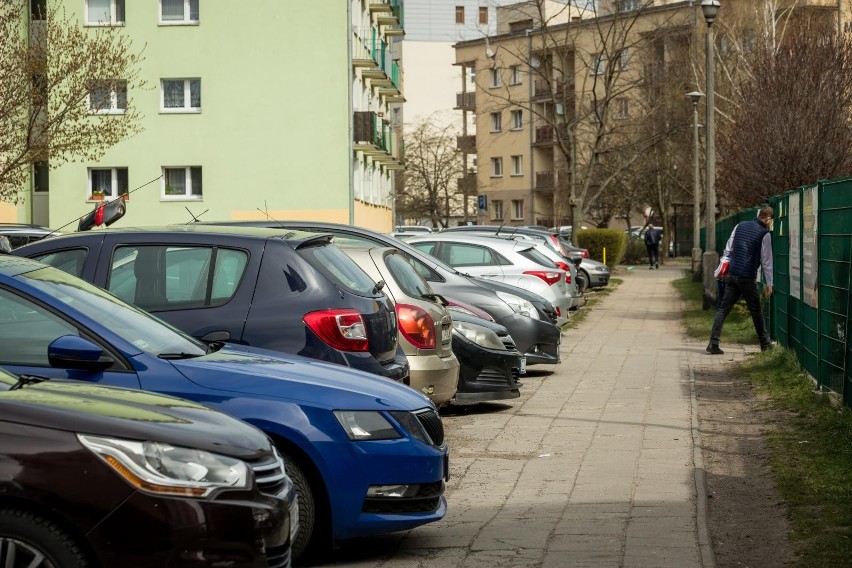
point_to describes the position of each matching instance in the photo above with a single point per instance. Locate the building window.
(517, 165)
(496, 121)
(459, 14)
(627, 5)
(106, 183)
(38, 9)
(515, 75)
(483, 15)
(498, 209)
(107, 97)
(623, 59)
(181, 95)
(622, 108)
(598, 65)
(182, 183)
(517, 119)
(41, 177)
(178, 11)
(104, 12)
(517, 209)
(495, 77)
(496, 167)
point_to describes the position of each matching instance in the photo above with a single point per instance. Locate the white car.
(509, 261)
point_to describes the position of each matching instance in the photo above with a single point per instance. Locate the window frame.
(517, 209)
(621, 108)
(114, 99)
(495, 78)
(598, 64)
(115, 190)
(187, 19)
(187, 107)
(459, 15)
(515, 75)
(113, 13)
(498, 209)
(497, 121)
(517, 165)
(517, 120)
(187, 195)
(497, 167)
(483, 15)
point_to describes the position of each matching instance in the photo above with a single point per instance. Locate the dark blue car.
(367, 455)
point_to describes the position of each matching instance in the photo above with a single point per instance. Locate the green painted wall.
(273, 131)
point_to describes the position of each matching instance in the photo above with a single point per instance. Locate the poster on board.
(810, 267)
(794, 224)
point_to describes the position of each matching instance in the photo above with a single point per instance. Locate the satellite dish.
(535, 62)
(489, 53)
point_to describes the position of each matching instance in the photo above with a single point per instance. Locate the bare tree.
(432, 169)
(63, 91)
(587, 68)
(792, 124)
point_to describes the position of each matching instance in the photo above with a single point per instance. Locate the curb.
(705, 544)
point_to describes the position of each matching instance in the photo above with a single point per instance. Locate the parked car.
(506, 260)
(529, 318)
(366, 454)
(287, 291)
(424, 323)
(419, 229)
(100, 476)
(490, 362)
(596, 273)
(552, 238)
(22, 234)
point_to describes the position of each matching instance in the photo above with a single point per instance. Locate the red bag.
(721, 271)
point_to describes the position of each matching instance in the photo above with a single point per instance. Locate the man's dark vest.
(745, 253)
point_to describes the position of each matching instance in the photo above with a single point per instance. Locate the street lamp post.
(710, 258)
(695, 96)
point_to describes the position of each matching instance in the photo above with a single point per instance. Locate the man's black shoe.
(767, 346)
(657, 265)
(713, 349)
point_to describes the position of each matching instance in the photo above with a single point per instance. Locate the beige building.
(561, 97)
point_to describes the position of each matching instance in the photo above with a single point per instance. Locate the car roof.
(476, 239)
(14, 265)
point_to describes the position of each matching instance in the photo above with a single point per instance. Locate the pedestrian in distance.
(652, 244)
(748, 249)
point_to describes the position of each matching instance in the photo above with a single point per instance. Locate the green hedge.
(596, 240)
(636, 252)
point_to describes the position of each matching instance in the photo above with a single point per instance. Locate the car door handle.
(217, 336)
(491, 275)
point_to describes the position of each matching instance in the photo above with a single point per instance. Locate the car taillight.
(416, 326)
(558, 312)
(585, 253)
(548, 276)
(341, 329)
(562, 266)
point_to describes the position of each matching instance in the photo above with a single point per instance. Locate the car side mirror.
(74, 352)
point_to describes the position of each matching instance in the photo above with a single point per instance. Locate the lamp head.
(695, 96)
(710, 9)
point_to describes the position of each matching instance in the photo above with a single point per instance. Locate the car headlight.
(162, 468)
(479, 334)
(366, 425)
(519, 305)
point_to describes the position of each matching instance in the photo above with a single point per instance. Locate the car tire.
(29, 536)
(307, 507)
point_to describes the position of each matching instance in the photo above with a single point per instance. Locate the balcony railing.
(543, 89)
(466, 100)
(546, 135)
(545, 180)
(466, 144)
(466, 184)
(370, 133)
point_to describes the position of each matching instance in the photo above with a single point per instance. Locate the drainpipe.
(351, 117)
(532, 150)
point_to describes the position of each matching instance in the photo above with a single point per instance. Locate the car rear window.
(406, 276)
(536, 257)
(339, 268)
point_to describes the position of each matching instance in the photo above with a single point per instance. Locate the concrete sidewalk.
(595, 465)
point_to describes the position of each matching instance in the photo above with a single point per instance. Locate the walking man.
(652, 243)
(748, 248)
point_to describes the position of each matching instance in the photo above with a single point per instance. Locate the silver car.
(424, 323)
(510, 261)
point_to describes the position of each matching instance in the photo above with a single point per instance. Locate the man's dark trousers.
(653, 254)
(735, 287)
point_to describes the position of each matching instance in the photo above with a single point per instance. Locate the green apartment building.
(269, 108)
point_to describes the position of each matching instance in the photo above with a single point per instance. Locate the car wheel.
(30, 540)
(582, 280)
(307, 507)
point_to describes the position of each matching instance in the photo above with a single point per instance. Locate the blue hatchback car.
(367, 454)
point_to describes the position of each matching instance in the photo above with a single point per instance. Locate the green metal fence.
(811, 308)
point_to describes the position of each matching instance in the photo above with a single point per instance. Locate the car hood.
(130, 414)
(303, 381)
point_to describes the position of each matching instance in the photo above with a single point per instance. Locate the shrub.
(596, 240)
(636, 252)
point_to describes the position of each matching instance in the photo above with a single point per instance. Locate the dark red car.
(107, 477)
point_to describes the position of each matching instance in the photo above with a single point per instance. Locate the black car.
(529, 318)
(100, 476)
(287, 291)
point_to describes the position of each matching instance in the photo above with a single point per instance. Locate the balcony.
(541, 90)
(546, 135)
(466, 100)
(363, 50)
(466, 144)
(370, 134)
(545, 180)
(466, 185)
(387, 12)
(560, 89)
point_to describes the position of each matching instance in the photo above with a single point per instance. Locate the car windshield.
(143, 330)
(406, 277)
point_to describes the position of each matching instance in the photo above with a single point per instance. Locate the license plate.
(446, 334)
(522, 366)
